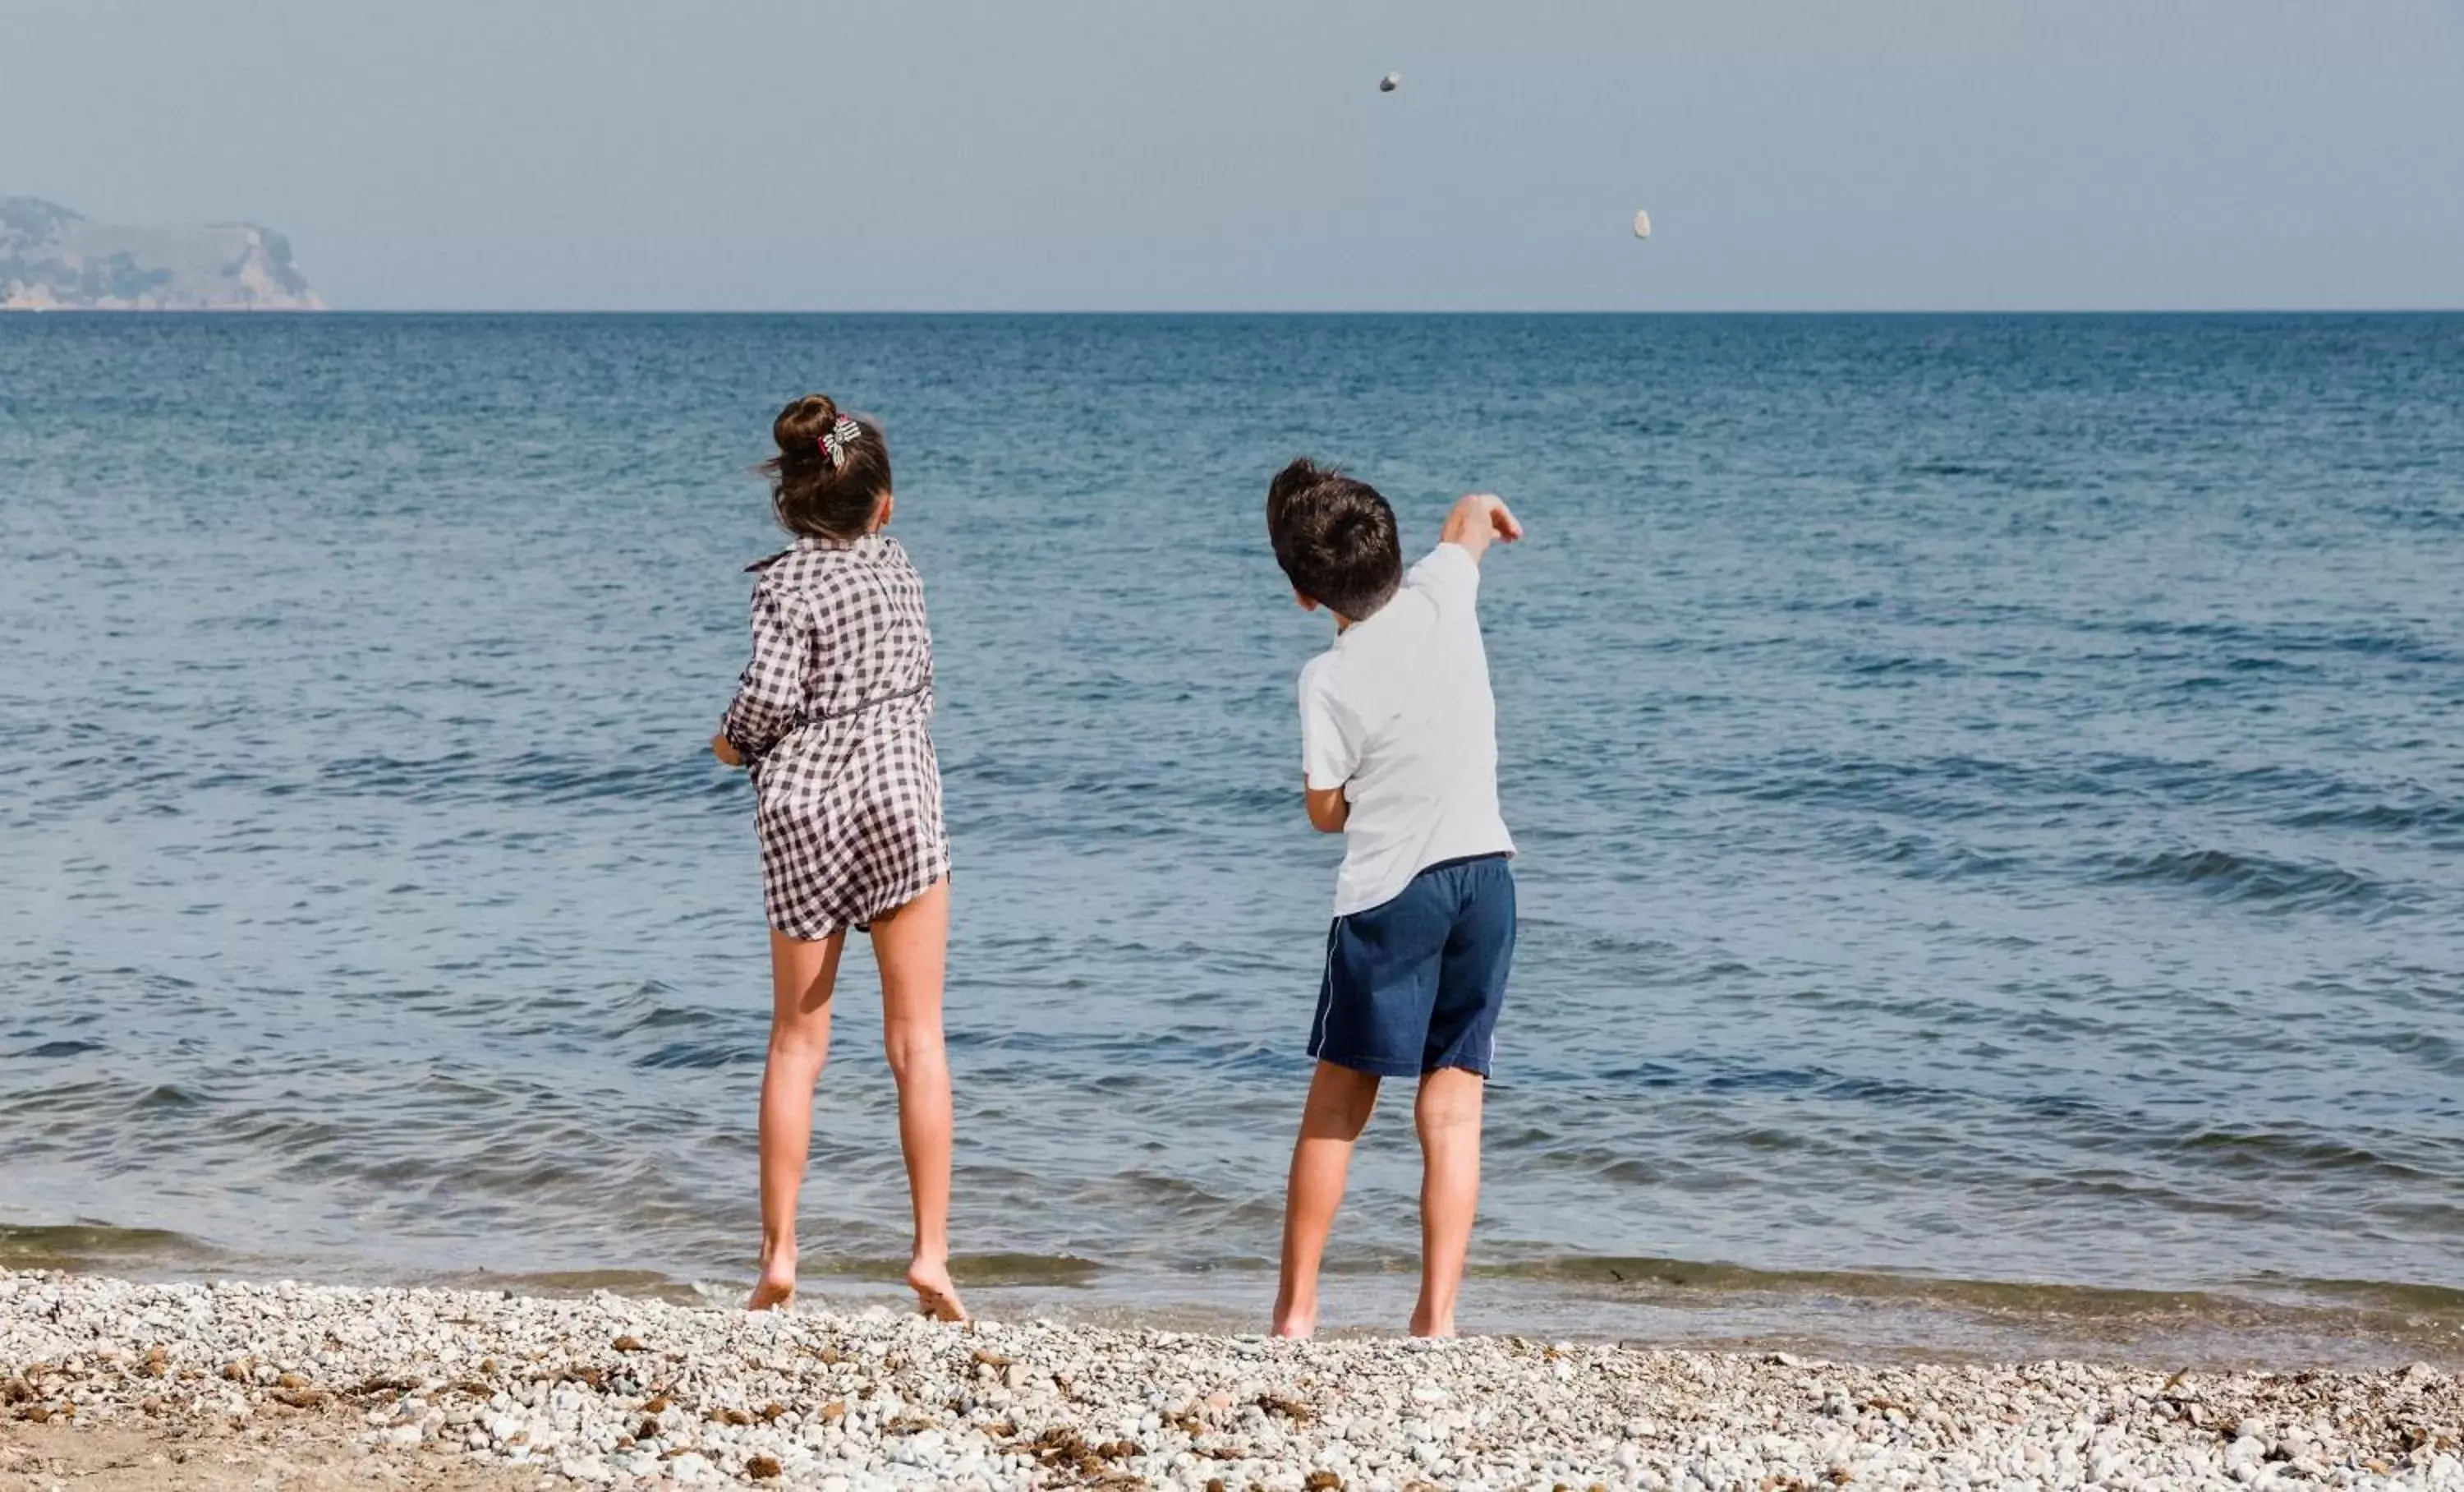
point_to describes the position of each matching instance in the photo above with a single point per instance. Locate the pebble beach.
(477, 1388)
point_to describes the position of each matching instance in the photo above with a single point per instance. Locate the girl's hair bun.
(801, 426)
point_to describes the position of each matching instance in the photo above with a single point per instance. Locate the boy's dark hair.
(1334, 537)
(829, 472)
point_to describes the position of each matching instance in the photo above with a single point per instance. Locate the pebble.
(568, 1386)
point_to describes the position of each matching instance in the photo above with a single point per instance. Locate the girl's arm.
(770, 695)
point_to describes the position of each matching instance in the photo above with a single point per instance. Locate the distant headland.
(56, 259)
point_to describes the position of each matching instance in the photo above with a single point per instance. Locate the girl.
(832, 718)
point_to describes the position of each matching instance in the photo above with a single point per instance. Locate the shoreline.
(2280, 1325)
(1844, 1313)
(484, 1389)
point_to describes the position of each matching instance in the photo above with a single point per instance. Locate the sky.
(1162, 155)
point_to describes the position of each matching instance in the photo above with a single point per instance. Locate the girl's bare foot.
(936, 1295)
(777, 1285)
(1297, 1324)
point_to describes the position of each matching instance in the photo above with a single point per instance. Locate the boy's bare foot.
(1297, 1324)
(777, 1285)
(1422, 1327)
(936, 1295)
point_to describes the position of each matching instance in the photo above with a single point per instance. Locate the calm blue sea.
(1992, 794)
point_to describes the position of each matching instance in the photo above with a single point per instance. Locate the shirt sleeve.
(1450, 577)
(1328, 757)
(770, 694)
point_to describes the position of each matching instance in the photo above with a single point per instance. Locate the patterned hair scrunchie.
(834, 443)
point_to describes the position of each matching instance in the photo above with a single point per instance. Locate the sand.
(109, 1383)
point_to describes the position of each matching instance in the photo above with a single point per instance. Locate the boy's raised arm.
(1477, 518)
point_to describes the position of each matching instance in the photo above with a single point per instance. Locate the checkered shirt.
(834, 716)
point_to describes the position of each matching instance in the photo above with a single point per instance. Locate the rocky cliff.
(51, 258)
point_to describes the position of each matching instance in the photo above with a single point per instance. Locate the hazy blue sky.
(1137, 154)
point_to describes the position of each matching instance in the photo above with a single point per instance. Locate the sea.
(1990, 792)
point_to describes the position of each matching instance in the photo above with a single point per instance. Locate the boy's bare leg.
(911, 945)
(1339, 1102)
(1447, 1114)
(802, 974)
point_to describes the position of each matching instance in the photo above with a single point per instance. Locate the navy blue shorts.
(1414, 984)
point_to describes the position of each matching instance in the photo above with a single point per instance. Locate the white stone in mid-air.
(1643, 225)
(1390, 82)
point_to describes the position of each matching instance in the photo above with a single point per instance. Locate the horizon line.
(247, 312)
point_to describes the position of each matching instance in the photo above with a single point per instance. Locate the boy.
(1398, 742)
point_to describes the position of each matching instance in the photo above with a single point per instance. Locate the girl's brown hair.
(826, 481)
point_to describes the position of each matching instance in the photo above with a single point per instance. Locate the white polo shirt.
(1398, 714)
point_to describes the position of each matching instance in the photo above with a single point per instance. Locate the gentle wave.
(2248, 878)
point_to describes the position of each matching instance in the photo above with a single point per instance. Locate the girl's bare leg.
(800, 977)
(1447, 1113)
(1337, 1109)
(911, 945)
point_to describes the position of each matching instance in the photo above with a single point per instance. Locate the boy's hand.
(725, 750)
(1328, 810)
(1476, 520)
